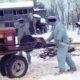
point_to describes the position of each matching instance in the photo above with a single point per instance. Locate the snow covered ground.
(72, 34)
(41, 69)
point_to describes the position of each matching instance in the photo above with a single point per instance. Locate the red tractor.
(11, 64)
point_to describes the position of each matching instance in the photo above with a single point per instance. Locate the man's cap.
(51, 18)
(21, 20)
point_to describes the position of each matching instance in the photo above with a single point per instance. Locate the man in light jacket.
(60, 36)
(23, 29)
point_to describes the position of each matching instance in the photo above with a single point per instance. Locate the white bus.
(10, 12)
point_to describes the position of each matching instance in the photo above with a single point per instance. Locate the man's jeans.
(28, 56)
(64, 57)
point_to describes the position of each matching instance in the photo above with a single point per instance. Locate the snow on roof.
(43, 20)
(39, 9)
(36, 16)
(78, 23)
(21, 4)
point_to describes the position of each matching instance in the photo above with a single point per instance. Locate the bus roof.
(9, 5)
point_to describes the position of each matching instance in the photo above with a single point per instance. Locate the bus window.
(1, 12)
(9, 24)
(19, 11)
(7, 12)
(31, 10)
(24, 11)
(14, 12)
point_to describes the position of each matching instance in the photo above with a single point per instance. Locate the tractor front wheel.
(17, 67)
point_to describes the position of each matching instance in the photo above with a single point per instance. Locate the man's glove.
(70, 39)
(57, 43)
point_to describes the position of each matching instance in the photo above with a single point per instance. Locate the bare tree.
(53, 11)
(39, 5)
(77, 9)
(68, 16)
(61, 9)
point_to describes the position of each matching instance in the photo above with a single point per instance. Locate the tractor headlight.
(1, 35)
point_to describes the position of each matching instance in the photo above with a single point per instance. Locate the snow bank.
(74, 35)
(45, 35)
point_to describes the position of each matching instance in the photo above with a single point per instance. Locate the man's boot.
(72, 70)
(60, 72)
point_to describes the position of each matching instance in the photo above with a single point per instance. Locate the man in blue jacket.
(23, 29)
(60, 36)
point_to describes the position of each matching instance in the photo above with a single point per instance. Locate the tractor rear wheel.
(3, 64)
